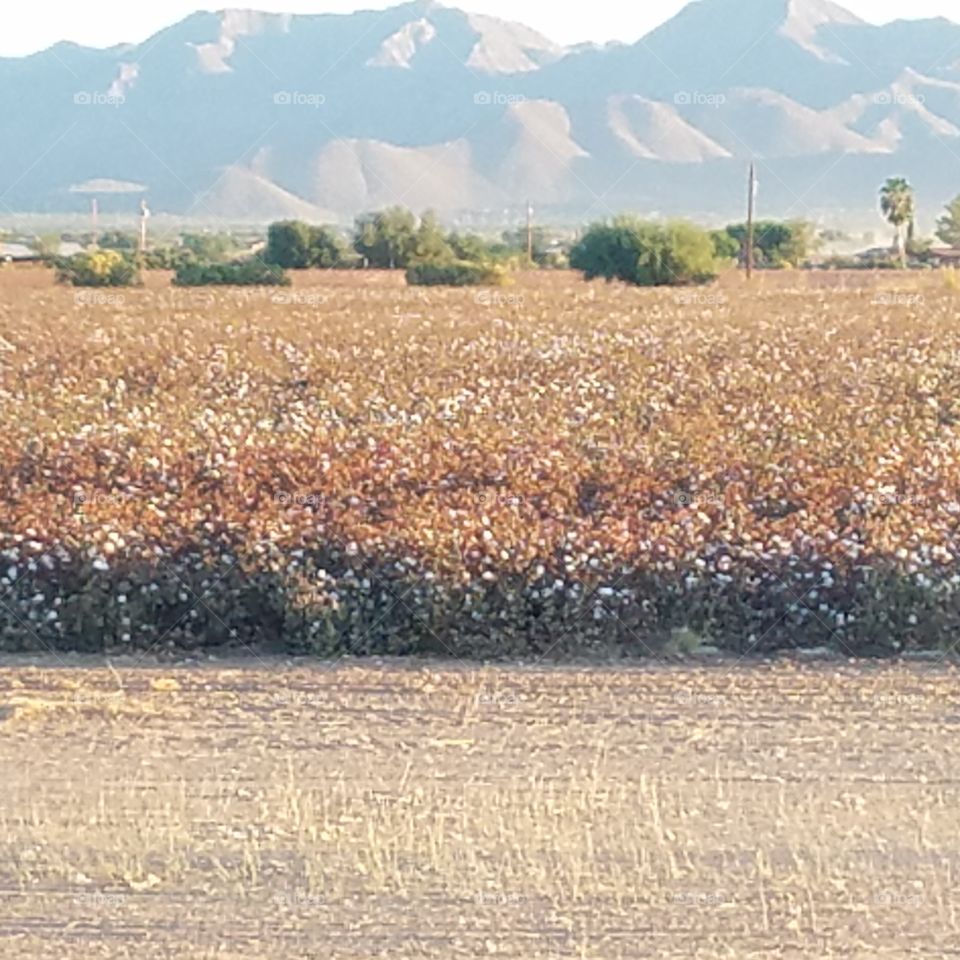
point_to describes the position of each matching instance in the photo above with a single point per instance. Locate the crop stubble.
(296, 811)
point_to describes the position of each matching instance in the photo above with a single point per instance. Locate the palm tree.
(897, 205)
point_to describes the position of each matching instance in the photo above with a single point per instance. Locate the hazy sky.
(39, 23)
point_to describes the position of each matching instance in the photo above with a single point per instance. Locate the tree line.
(627, 248)
(396, 239)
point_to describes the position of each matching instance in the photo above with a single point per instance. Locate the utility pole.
(529, 233)
(94, 221)
(751, 200)
(144, 217)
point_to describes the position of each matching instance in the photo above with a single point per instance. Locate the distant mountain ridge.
(248, 115)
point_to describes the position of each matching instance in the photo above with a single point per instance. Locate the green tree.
(455, 273)
(898, 206)
(294, 245)
(777, 243)
(328, 250)
(675, 254)
(430, 245)
(167, 258)
(386, 240)
(117, 240)
(647, 254)
(99, 268)
(948, 226)
(725, 247)
(235, 273)
(288, 245)
(608, 250)
(468, 246)
(212, 247)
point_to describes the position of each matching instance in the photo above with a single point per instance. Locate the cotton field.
(358, 467)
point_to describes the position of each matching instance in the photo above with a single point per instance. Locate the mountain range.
(255, 116)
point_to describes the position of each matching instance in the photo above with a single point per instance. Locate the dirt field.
(295, 810)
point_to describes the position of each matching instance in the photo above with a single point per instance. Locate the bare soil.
(280, 809)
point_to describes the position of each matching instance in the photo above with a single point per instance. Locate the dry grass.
(295, 811)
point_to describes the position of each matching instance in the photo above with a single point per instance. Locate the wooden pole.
(751, 198)
(94, 219)
(529, 233)
(144, 216)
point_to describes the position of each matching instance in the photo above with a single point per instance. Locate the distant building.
(876, 255)
(21, 253)
(16, 251)
(945, 256)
